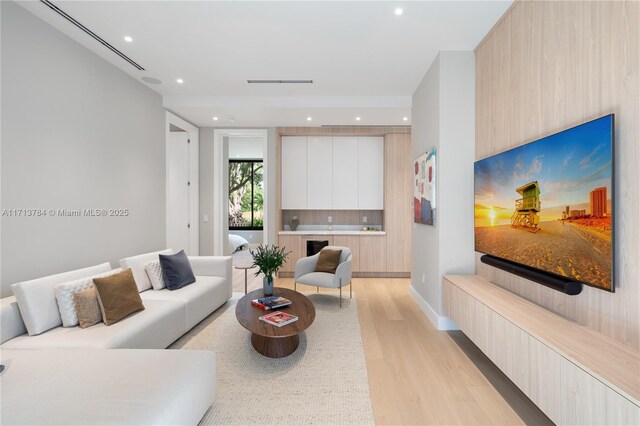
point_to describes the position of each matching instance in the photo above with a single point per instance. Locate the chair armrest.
(306, 265)
(215, 266)
(343, 273)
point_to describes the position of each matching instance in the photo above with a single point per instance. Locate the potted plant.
(268, 258)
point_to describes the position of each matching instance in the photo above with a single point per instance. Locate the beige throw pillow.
(87, 307)
(118, 296)
(328, 261)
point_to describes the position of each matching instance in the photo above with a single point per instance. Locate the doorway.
(241, 187)
(182, 185)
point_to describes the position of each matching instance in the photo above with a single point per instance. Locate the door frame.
(221, 185)
(194, 179)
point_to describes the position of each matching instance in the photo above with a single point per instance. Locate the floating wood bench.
(574, 374)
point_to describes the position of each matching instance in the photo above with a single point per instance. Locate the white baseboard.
(439, 321)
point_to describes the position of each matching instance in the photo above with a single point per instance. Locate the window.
(246, 194)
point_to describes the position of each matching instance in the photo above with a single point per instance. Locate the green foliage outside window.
(246, 194)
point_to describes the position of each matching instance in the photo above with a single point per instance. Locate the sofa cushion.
(136, 264)
(11, 324)
(118, 296)
(176, 270)
(154, 272)
(87, 307)
(200, 298)
(121, 387)
(159, 325)
(64, 296)
(37, 298)
(322, 279)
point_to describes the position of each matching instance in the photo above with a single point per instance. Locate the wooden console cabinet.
(574, 374)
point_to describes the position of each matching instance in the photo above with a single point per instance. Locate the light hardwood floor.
(417, 374)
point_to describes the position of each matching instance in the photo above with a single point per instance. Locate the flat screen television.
(548, 205)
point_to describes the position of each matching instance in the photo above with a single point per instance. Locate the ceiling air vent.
(99, 39)
(280, 81)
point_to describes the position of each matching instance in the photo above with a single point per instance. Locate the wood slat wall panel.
(547, 66)
(397, 201)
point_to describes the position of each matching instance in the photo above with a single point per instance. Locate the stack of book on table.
(278, 318)
(270, 302)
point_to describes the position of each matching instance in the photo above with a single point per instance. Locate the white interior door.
(178, 189)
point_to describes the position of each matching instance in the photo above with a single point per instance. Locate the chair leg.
(350, 289)
(294, 285)
(317, 289)
(341, 296)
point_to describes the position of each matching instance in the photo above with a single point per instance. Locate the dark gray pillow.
(176, 270)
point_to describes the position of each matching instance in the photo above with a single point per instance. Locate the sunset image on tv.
(547, 204)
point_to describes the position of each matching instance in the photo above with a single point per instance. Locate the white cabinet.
(371, 173)
(345, 173)
(294, 172)
(319, 172)
(325, 173)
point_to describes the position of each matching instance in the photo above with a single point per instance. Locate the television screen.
(548, 204)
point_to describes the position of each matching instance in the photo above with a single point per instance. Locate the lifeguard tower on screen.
(527, 207)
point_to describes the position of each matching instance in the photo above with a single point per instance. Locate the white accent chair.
(306, 272)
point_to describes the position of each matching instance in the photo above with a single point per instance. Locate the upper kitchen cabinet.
(332, 173)
(294, 172)
(319, 172)
(345, 173)
(370, 173)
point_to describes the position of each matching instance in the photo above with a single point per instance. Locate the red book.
(279, 318)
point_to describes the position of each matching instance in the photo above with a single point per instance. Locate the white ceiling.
(365, 61)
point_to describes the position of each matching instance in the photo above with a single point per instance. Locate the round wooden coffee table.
(267, 339)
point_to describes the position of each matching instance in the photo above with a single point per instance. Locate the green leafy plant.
(269, 258)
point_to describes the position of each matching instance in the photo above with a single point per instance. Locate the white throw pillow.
(136, 264)
(64, 296)
(154, 271)
(37, 298)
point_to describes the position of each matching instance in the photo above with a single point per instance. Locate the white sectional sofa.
(106, 387)
(166, 317)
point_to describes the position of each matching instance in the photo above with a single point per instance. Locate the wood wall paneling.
(397, 200)
(340, 217)
(548, 66)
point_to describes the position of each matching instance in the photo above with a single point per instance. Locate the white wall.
(76, 133)
(444, 116)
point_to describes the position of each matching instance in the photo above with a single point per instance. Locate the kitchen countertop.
(334, 232)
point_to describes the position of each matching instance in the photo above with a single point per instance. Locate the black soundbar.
(565, 285)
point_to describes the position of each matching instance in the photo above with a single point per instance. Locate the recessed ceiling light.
(237, 155)
(357, 118)
(128, 39)
(180, 81)
(215, 118)
(405, 118)
(398, 11)
(309, 118)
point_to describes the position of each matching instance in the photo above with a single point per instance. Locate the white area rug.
(323, 383)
